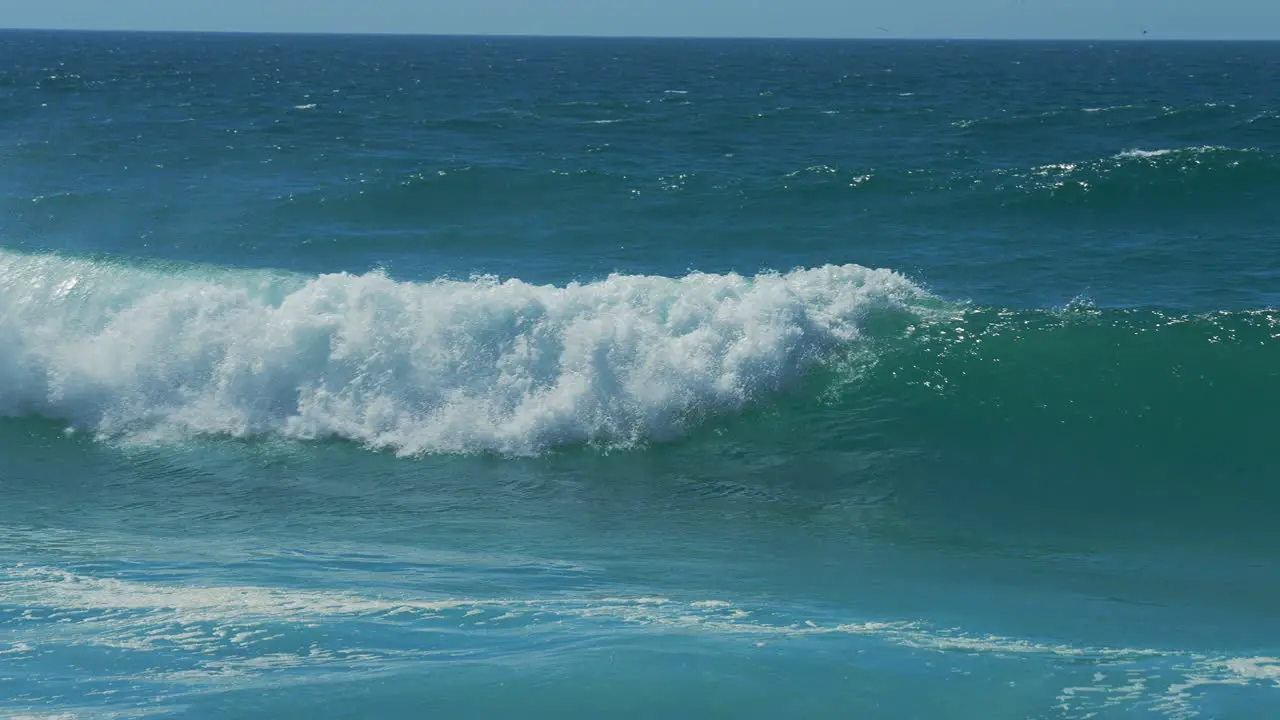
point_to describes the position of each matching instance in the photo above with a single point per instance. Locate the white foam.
(227, 628)
(67, 592)
(444, 366)
(1139, 153)
(1193, 151)
(144, 615)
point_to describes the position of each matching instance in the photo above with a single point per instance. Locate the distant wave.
(1141, 115)
(449, 191)
(447, 366)
(1138, 183)
(1168, 180)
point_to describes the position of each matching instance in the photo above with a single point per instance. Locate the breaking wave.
(480, 365)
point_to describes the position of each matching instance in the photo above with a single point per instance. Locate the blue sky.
(752, 18)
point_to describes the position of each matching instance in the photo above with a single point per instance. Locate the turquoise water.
(403, 377)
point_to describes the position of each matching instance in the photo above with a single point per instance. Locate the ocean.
(347, 377)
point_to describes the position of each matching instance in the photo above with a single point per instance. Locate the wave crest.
(446, 366)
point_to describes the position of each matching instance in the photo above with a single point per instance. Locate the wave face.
(1089, 411)
(445, 366)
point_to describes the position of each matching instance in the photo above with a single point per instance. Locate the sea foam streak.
(444, 366)
(236, 636)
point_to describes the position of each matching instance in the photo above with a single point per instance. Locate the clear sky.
(1257, 19)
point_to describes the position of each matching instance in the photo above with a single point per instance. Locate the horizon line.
(576, 36)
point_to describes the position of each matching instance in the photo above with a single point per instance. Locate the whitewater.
(444, 366)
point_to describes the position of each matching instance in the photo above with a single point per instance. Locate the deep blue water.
(464, 377)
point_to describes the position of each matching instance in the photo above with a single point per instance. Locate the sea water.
(494, 377)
